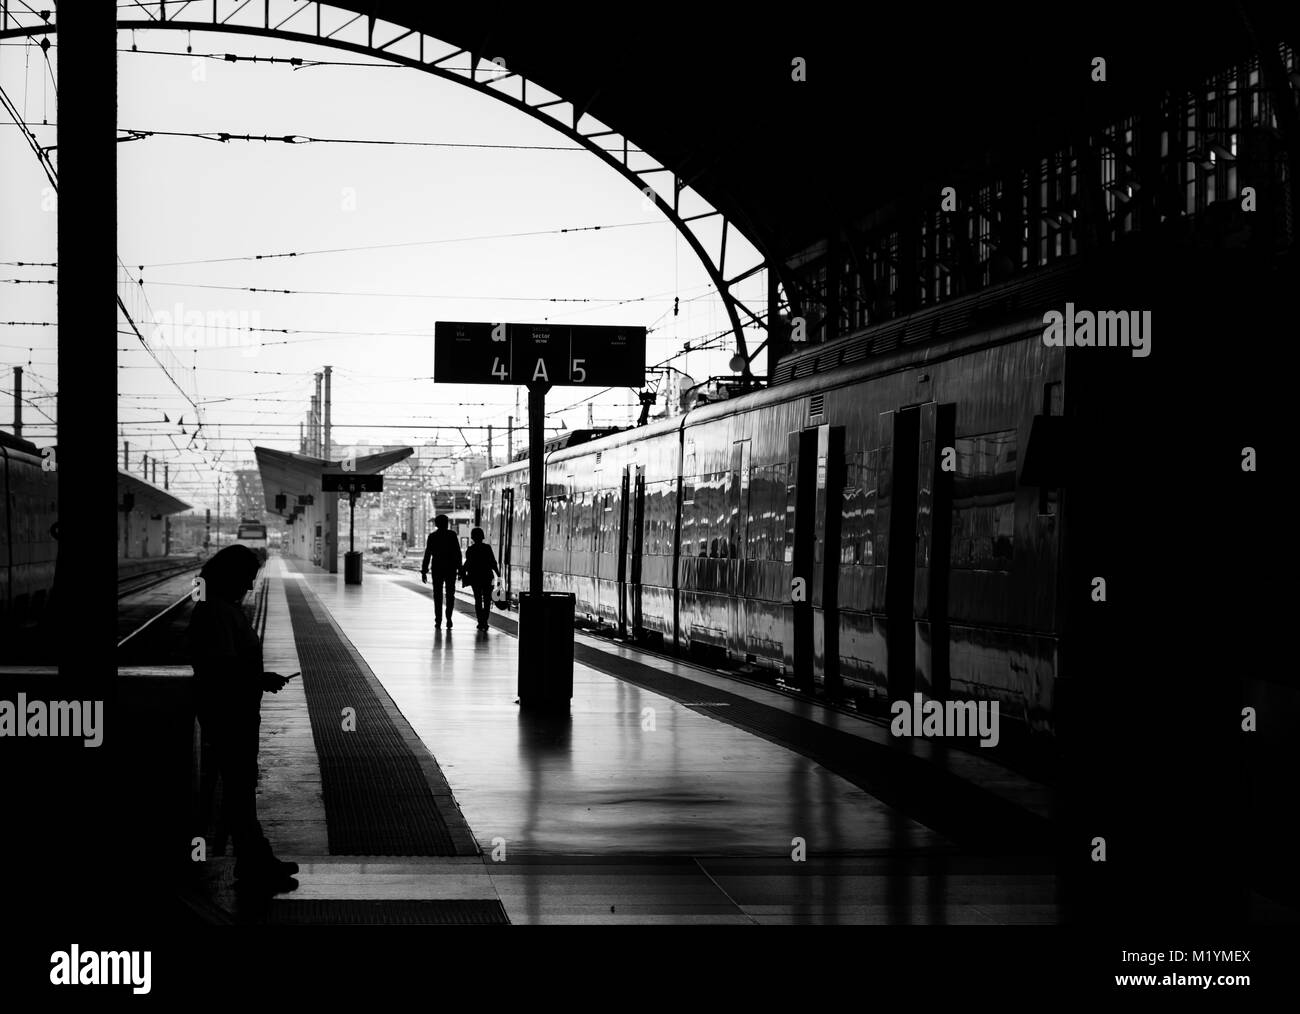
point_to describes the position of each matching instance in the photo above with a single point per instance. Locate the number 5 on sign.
(579, 372)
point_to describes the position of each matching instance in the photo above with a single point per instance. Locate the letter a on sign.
(498, 332)
(540, 370)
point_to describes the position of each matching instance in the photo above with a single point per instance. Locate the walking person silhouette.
(480, 568)
(226, 654)
(442, 557)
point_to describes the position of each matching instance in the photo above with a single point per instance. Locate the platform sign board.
(539, 353)
(571, 355)
(351, 482)
(603, 356)
(471, 353)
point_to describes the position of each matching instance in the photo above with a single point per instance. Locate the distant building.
(144, 511)
(250, 502)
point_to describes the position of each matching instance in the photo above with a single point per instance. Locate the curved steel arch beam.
(11, 26)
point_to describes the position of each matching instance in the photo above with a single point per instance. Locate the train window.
(776, 507)
(1052, 406)
(791, 496)
(1052, 399)
(851, 510)
(754, 514)
(702, 522)
(983, 514)
(658, 512)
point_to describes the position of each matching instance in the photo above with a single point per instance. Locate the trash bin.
(546, 650)
(352, 567)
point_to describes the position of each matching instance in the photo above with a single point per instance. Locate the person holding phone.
(227, 657)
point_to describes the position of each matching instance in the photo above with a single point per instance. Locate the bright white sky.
(183, 199)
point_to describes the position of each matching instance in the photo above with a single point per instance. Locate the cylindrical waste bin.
(546, 650)
(352, 567)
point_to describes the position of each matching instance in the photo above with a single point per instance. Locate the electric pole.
(331, 499)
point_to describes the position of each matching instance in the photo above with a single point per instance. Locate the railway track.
(152, 619)
(134, 583)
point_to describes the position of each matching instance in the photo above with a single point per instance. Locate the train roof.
(18, 444)
(899, 359)
(569, 438)
(605, 438)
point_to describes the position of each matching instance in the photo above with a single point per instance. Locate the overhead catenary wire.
(390, 295)
(307, 332)
(573, 229)
(42, 153)
(224, 137)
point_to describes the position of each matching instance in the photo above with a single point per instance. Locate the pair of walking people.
(442, 560)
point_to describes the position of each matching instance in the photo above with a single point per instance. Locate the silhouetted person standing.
(227, 658)
(442, 559)
(480, 568)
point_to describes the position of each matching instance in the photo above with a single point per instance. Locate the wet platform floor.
(636, 809)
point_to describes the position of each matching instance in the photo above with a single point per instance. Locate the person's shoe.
(270, 884)
(448, 622)
(264, 866)
(437, 624)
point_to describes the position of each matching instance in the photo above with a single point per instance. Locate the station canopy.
(148, 497)
(299, 475)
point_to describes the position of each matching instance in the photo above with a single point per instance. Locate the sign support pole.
(536, 486)
(539, 355)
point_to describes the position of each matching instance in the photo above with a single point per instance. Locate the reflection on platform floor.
(602, 782)
(606, 818)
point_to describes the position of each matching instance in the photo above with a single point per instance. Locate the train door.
(900, 571)
(623, 510)
(824, 588)
(505, 532)
(737, 536)
(934, 543)
(800, 505)
(568, 535)
(636, 546)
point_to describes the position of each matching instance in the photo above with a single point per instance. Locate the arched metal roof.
(892, 98)
(893, 105)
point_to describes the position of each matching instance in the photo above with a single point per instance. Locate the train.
(252, 533)
(863, 529)
(29, 523)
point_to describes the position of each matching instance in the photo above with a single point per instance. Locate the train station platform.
(400, 773)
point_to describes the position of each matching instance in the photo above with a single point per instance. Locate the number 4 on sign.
(498, 370)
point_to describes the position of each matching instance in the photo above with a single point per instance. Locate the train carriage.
(867, 530)
(252, 533)
(28, 513)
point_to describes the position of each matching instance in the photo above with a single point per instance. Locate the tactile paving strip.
(377, 801)
(355, 912)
